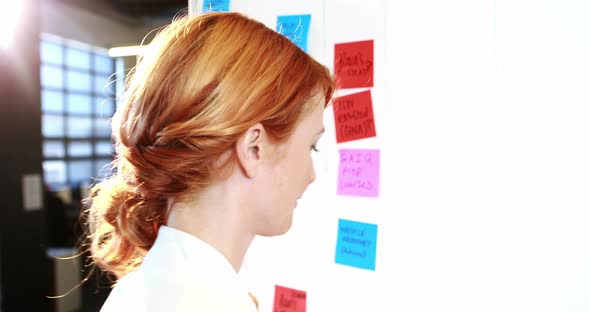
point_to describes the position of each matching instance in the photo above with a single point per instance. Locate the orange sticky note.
(353, 115)
(353, 64)
(289, 300)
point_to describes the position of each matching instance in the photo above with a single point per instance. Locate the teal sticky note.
(357, 244)
(295, 27)
(215, 6)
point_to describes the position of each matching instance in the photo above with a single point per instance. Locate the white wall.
(482, 113)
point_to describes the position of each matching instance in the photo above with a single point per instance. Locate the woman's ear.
(250, 149)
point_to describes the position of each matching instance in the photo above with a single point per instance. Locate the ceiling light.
(126, 51)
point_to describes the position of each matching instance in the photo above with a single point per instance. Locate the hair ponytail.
(123, 224)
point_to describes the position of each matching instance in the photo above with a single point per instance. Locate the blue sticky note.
(295, 27)
(357, 244)
(215, 6)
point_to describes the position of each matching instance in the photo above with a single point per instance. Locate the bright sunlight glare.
(10, 12)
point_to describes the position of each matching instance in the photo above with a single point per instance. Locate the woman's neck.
(215, 217)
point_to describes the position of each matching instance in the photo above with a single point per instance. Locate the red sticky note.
(353, 64)
(354, 117)
(289, 300)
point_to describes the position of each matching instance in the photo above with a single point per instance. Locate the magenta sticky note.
(358, 174)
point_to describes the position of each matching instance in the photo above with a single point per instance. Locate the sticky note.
(357, 244)
(353, 64)
(295, 27)
(353, 116)
(215, 6)
(289, 300)
(358, 173)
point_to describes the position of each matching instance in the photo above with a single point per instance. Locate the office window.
(78, 98)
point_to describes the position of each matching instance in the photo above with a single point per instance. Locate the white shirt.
(180, 273)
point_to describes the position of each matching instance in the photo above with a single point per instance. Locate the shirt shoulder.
(136, 293)
(178, 275)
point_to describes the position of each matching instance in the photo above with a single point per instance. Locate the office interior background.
(58, 91)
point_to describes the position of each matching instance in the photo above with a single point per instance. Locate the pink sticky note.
(358, 174)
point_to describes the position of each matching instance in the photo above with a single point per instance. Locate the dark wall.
(24, 265)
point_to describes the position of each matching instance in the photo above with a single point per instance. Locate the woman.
(213, 142)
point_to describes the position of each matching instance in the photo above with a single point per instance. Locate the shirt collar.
(196, 251)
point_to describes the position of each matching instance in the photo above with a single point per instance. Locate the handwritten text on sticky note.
(295, 27)
(215, 6)
(353, 64)
(357, 244)
(289, 300)
(353, 115)
(358, 174)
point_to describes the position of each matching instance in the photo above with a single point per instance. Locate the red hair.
(204, 82)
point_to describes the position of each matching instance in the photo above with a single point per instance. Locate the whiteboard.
(482, 115)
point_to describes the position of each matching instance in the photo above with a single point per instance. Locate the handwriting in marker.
(295, 27)
(353, 64)
(357, 244)
(358, 173)
(353, 115)
(215, 6)
(289, 300)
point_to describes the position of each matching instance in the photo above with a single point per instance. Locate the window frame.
(97, 100)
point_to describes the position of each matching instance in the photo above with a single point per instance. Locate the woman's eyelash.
(314, 148)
